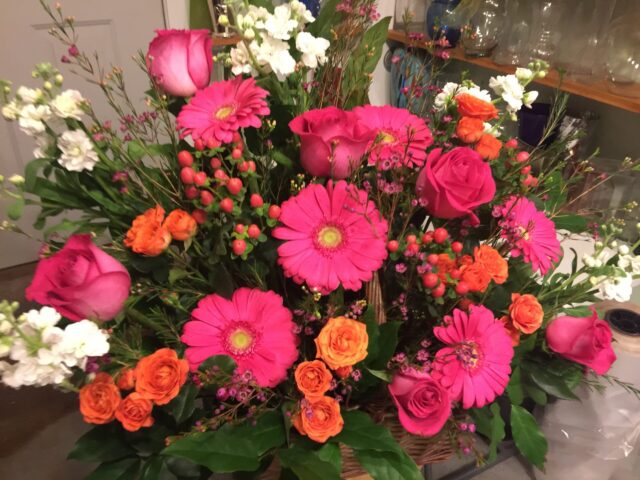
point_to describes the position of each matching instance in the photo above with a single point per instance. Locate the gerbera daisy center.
(469, 355)
(330, 237)
(224, 112)
(240, 339)
(386, 138)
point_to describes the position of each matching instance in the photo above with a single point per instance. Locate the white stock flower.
(11, 111)
(240, 59)
(77, 151)
(32, 118)
(280, 24)
(618, 289)
(452, 89)
(29, 95)
(524, 74)
(275, 53)
(43, 318)
(81, 340)
(529, 98)
(313, 49)
(300, 11)
(630, 263)
(43, 142)
(68, 104)
(510, 89)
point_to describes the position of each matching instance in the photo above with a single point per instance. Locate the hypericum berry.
(511, 143)
(236, 153)
(185, 159)
(411, 239)
(220, 175)
(413, 249)
(438, 291)
(457, 247)
(430, 280)
(238, 246)
(440, 235)
(236, 137)
(226, 205)
(234, 185)
(525, 170)
(274, 212)
(427, 238)
(239, 228)
(200, 178)
(432, 258)
(199, 144)
(522, 157)
(215, 163)
(462, 288)
(191, 192)
(455, 274)
(213, 143)
(253, 231)
(206, 197)
(393, 245)
(199, 215)
(187, 175)
(256, 201)
(252, 166)
(243, 167)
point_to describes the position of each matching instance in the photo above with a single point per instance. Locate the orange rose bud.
(342, 342)
(344, 372)
(181, 225)
(488, 147)
(526, 312)
(147, 235)
(319, 419)
(470, 106)
(313, 379)
(494, 263)
(469, 130)
(513, 332)
(476, 277)
(134, 412)
(445, 265)
(160, 375)
(99, 400)
(126, 379)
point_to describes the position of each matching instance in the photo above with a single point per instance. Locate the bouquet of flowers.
(269, 277)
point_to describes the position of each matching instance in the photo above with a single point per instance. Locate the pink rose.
(332, 141)
(451, 185)
(181, 60)
(81, 281)
(584, 340)
(423, 404)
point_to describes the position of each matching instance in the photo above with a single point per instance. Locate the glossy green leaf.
(360, 432)
(326, 19)
(489, 423)
(388, 465)
(572, 223)
(514, 388)
(579, 312)
(225, 363)
(126, 469)
(330, 452)
(182, 407)
(387, 343)
(550, 383)
(307, 464)
(527, 436)
(155, 468)
(103, 443)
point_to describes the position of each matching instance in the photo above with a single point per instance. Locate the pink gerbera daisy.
(402, 138)
(476, 364)
(253, 328)
(222, 108)
(334, 235)
(530, 233)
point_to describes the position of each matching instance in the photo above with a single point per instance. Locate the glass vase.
(622, 56)
(546, 30)
(443, 22)
(480, 35)
(513, 43)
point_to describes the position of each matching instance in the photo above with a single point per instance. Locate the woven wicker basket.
(423, 450)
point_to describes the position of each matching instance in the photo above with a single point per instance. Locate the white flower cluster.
(269, 38)
(42, 116)
(40, 352)
(451, 90)
(617, 284)
(512, 89)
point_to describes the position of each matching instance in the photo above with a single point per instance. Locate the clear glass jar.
(622, 56)
(480, 35)
(546, 29)
(513, 44)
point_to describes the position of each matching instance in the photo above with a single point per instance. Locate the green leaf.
(527, 436)
(232, 448)
(331, 453)
(578, 312)
(381, 374)
(155, 468)
(573, 223)
(373, 332)
(281, 159)
(514, 388)
(535, 393)
(31, 173)
(225, 363)
(14, 212)
(135, 150)
(326, 19)
(100, 444)
(550, 383)
(176, 274)
(307, 464)
(387, 343)
(182, 407)
(388, 465)
(490, 424)
(360, 432)
(125, 469)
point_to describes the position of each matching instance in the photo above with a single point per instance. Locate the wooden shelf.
(596, 91)
(225, 41)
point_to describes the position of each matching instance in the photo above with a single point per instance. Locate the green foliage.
(527, 436)
(104, 443)
(547, 380)
(326, 19)
(309, 464)
(126, 469)
(570, 222)
(232, 448)
(489, 423)
(515, 389)
(225, 363)
(183, 406)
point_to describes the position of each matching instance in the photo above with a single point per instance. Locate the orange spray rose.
(526, 312)
(313, 379)
(160, 375)
(181, 225)
(476, 277)
(134, 412)
(470, 106)
(469, 129)
(99, 400)
(494, 263)
(488, 147)
(147, 235)
(319, 419)
(126, 379)
(342, 342)
(513, 332)
(445, 265)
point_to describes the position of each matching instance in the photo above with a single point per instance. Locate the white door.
(116, 29)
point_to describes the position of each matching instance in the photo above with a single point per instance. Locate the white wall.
(176, 13)
(379, 93)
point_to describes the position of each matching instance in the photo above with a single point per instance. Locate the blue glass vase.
(313, 6)
(442, 22)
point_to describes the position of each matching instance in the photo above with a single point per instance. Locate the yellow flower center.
(386, 137)
(329, 237)
(524, 233)
(224, 112)
(240, 340)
